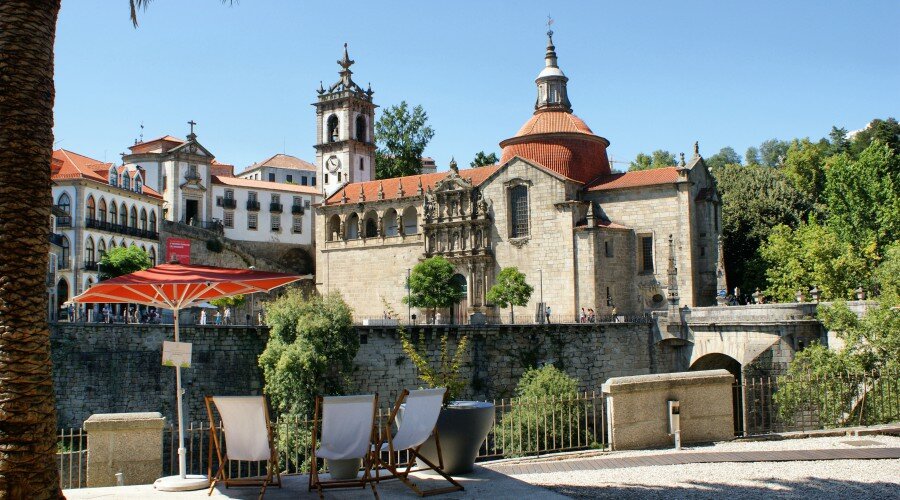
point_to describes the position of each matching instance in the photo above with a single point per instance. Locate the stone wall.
(118, 368)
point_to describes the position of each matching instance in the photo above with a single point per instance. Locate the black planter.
(462, 427)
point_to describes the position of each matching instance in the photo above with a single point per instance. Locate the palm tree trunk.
(27, 409)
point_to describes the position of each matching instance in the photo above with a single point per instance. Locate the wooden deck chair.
(417, 423)
(248, 437)
(348, 432)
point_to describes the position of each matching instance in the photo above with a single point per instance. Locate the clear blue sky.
(645, 75)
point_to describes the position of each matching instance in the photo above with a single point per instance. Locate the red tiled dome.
(561, 142)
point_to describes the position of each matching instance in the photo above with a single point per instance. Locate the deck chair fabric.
(248, 437)
(416, 413)
(348, 431)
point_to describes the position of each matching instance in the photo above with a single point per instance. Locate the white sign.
(177, 354)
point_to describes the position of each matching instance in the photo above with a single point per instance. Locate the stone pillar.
(130, 443)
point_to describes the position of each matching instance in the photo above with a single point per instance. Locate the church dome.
(554, 137)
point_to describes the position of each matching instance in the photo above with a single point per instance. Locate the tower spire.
(551, 82)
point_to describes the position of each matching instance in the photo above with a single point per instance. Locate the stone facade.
(126, 443)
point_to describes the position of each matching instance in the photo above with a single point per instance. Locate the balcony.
(90, 265)
(229, 203)
(120, 229)
(56, 239)
(252, 205)
(276, 207)
(62, 264)
(64, 221)
(297, 209)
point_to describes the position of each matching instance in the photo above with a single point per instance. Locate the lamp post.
(408, 306)
(542, 308)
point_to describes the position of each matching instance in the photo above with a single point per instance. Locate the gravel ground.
(808, 479)
(875, 479)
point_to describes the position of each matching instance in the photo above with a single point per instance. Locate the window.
(191, 172)
(298, 201)
(134, 218)
(229, 194)
(276, 223)
(113, 178)
(297, 224)
(362, 165)
(113, 212)
(102, 210)
(702, 250)
(332, 128)
(123, 216)
(312, 180)
(91, 208)
(251, 196)
(647, 254)
(306, 204)
(89, 250)
(126, 181)
(271, 177)
(360, 128)
(138, 186)
(251, 220)
(289, 178)
(518, 209)
(165, 183)
(64, 257)
(153, 221)
(326, 179)
(339, 177)
(609, 248)
(304, 181)
(276, 198)
(229, 219)
(143, 219)
(64, 203)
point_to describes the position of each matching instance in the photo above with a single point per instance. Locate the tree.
(483, 160)
(657, 159)
(402, 136)
(120, 261)
(431, 285)
(27, 408)
(838, 142)
(752, 156)
(754, 200)
(886, 131)
(233, 302)
(804, 164)
(511, 290)
(725, 156)
(887, 276)
(773, 152)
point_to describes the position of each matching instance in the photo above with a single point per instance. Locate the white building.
(282, 168)
(98, 206)
(262, 211)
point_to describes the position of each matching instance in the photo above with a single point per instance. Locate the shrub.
(545, 414)
(444, 373)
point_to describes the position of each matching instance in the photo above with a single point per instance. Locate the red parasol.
(177, 286)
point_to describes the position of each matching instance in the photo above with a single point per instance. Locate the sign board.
(722, 293)
(178, 249)
(177, 354)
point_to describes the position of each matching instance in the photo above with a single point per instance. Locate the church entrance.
(191, 211)
(459, 310)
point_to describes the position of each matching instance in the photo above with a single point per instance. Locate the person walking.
(218, 317)
(583, 317)
(592, 318)
(203, 316)
(547, 312)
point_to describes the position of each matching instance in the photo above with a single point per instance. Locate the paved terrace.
(826, 467)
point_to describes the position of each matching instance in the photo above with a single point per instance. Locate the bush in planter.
(446, 371)
(310, 351)
(546, 414)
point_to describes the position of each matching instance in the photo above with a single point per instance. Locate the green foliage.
(773, 152)
(657, 159)
(233, 302)
(887, 276)
(483, 160)
(511, 290)
(754, 200)
(431, 284)
(446, 371)
(854, 385)
(545, 413)
(885, 131)
(811, 255)
(751, 157)
(804, 165)
(310, 350)
(725, 156)
(838, 142)
(120, 261)
(402, 136)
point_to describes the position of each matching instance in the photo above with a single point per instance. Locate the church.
(585, 237)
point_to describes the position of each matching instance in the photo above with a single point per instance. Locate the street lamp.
(408, 306)
(542, 307)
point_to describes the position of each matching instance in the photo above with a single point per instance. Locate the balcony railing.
(64, 221)
(90, 265)
(56, 239)
(252, 205)
(211, 225)
(62, 264)
(276, 207)
(121, 229)
(229, 203)
(297, 209)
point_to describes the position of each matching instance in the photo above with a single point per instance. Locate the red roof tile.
(249, 183)
(69, 165)
(283, 161)
(655, 176)
(577, 159)
(410, 185)
(143, 147)
(549, 122)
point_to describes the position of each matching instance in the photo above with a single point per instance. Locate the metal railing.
(297, 209)
(276, 207)
(501, 319)
(252, 205)
(765, 405)
(71, 458)
(120, 229)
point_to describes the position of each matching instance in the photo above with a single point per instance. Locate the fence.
(765, 405)
(71, 458)
(501, 319)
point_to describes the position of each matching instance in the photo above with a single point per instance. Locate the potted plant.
(462, 425)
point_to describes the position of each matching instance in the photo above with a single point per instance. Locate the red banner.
(178, 249)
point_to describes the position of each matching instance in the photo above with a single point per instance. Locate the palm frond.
(136, 5)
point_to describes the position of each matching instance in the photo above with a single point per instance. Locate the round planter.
(343, 469)
(462, 427)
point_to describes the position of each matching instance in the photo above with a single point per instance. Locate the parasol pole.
(182, 452)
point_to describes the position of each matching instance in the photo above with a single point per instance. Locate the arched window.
(390, 223)
(133, 217)
(65, 203)
(352, 227)
(371, 228)
(334, 228)
(361, 128)
(64, 257)
(410, 221)
(143, 219)
(143, 248)
(112, 243)
(138, 184)
(518, 211)
(153, 221)
(102, 210)
(91, 208)
(126, 181)
(123, 215)
(89, 256)
(362, 164)
(152, 256)
(113, 178)
(332, 129)
(101, 249)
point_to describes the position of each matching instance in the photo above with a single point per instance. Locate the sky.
(644, 75)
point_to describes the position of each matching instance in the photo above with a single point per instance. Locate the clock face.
(333, 164)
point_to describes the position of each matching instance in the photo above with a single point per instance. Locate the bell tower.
(345, 140)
